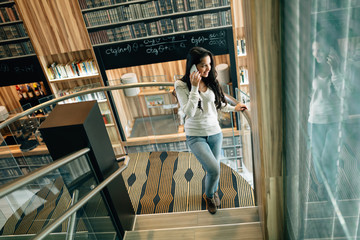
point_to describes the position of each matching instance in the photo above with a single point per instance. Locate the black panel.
(21, 70)
(71, 127)
(162, 49)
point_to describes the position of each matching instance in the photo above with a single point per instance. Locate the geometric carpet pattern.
(41, 209)
(161, 182)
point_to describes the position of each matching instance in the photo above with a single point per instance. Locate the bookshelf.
(66, 56)
(14, 40)
(141, 19)
(240, 46)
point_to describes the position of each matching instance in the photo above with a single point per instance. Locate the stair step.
(330, 228)
(325, 209)
(237, 231)
(196, 218)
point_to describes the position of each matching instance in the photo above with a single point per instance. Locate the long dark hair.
(195, 55)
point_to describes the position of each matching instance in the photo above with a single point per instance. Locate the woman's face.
(320, 51)
(204, 66)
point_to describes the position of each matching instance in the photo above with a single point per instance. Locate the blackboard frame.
(162, 48)
(20, 70)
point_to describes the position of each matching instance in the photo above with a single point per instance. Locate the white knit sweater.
(325, 105)
(199, 122)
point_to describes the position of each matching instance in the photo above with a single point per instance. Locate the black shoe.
(217, 199)
(210, 205)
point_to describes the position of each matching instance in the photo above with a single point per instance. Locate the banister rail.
(32, 176)
(246, 112)
(81, 202)
(93, 90)
(98, 89)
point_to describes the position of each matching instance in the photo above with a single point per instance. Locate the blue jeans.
(324, 149)
(207, 150)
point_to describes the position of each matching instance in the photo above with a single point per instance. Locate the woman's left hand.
(333, 60)
(240, 107)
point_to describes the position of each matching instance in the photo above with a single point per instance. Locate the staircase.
(226, 224)
(322, 222)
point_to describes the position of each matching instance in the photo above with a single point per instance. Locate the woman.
(326, 110)
(200, 96)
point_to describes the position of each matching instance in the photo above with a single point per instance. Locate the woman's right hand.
(195, 79)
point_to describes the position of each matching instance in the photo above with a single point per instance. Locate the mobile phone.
(193, 69)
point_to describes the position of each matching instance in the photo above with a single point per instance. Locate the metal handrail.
(246, 112)
(81, 203)
(72, 219)
(93, 90)
(98, 89)
(32, 176)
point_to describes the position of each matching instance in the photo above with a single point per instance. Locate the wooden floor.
(226, 224)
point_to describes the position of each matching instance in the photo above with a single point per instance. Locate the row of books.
(71, 69)
(88, 97)
(179, 146)
(16, 49)
(145, 10)
(10, 167)
(12, 31)
(9, 14)
(175, 5)
(10, 172)
(162, 26)
(84, 4)
(34, 160)
(244, 77)
(241, 47)
(175, 146)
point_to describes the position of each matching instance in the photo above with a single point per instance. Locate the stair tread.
(197, 218)
(237, 231)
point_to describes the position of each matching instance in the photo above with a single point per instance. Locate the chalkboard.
(162, 49)
(20, 70)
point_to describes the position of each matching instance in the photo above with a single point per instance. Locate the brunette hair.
(195, 55)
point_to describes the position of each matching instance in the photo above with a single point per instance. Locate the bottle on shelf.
(42, 93)
(244, 75)
(30, 91)
(36, 89)
(18, 90)
(24, 92)
(241, 47)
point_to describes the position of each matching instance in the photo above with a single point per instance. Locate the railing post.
(70, 127)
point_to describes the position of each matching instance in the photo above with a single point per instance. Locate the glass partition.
(321, 67)
(151, 121)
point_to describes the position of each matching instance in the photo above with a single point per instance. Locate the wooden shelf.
(75, 78)
(14, 151)
(7, 3)
(14, 40)
(11, 22)
(147, 92)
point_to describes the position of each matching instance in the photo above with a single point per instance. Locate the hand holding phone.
(193, 69)
(194, 78)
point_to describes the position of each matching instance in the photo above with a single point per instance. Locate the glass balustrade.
(29, 209)
(146, 119)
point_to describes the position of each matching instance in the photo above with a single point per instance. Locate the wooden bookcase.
(14, 40)
(239, 38)
(58, 34)
(144, 18)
